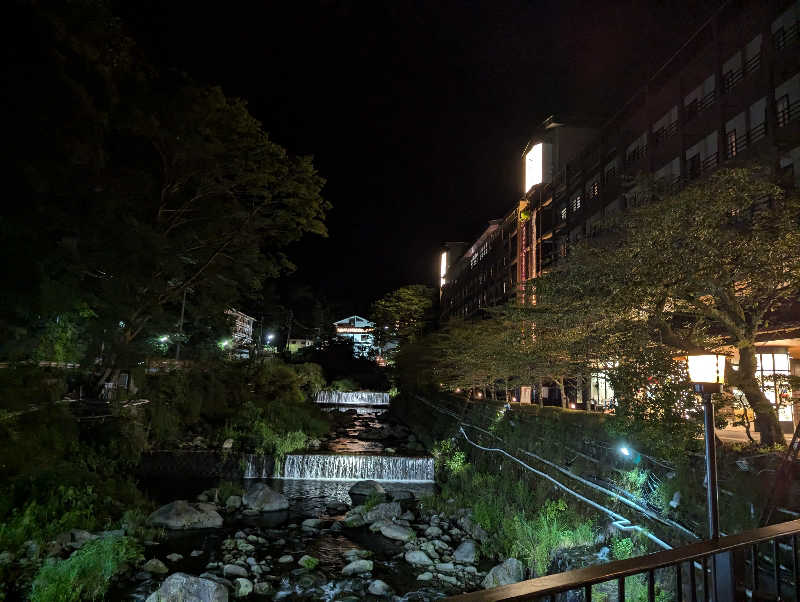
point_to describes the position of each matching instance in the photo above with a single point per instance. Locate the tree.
(707, 267)
(403, 314)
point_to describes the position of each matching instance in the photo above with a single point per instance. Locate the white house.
(359, 330)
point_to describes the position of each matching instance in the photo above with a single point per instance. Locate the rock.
(286, 559)
(78, 537)
(196, 553)
(426, 576)
(217, 579)
(466, 553)
(390, 450)
(312, 523)
(242, 587)
(408, 515)
(262, 498)
(308, 562)
(233, 502)
(447, 579)
(385, 511)
(53, 548)
(183, 515)
(354, 519)
(378, 525)
(357, 567)
(401, 495)
(473, 529)
(511, 571)
(180, 587)
(445, 567)
(365, 488)
(234, 570)
(397, 532)
(227, 444)
(174, 557)
(433, 532)
(353, 554)
(262, 588)
(154, 565)
(379, 588)
(245, 547)
(418, 558)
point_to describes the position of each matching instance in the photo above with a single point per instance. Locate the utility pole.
(289, 331)
(180, 328)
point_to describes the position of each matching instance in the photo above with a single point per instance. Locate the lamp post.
(707, 373)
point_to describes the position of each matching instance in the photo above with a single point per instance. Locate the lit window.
(732, 144)
(782, 110)
(563, 214)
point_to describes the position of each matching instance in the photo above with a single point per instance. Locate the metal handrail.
(584, 578)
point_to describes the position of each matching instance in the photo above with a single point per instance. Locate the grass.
(86, 575)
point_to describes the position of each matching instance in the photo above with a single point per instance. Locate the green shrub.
(87, 573)
(373, 499)
(344, 384)
(622, 547)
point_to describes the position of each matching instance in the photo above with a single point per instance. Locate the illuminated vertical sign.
(443, 268)
(537, 164)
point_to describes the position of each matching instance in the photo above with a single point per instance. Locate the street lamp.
(707, 373)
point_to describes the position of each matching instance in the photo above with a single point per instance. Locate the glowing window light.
(708, 368)
(533, 166)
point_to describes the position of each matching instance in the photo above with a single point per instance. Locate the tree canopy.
(403, 314)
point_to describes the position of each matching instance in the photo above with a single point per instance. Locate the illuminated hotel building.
(359, 331)
(731, 92)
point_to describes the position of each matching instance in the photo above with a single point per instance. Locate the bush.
(345, 384)
(86, 574)
(622, 547)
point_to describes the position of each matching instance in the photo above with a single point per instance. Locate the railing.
(788, 114)
(635, 154)
(739, 145)
(665, 132)
(786, 37)
(696, 107)
(752, 64)
(761, 564)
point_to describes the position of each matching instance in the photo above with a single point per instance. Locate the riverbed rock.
(433, 532)
(234, 570)
(365, 488)
(398, 532)
(511, 571)
(262, 498)
(418, 558)
(308, 562)
(357, 567)
(385, 511)
(234, 502)
(154, 565)
(426, 576)
(379, 588)
(286, 559)
(180, 514)
(180, 587)
(466, 553)
(78, 537)
(242, 587)
(262, 588)
(174, 557)
(474, 530)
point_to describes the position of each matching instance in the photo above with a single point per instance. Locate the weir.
(258, 466)
(356, 398)
(338, 467)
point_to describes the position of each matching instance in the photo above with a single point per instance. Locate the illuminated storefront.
(602, 394)
(772, 371)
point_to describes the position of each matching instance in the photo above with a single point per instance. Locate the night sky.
(416, 112)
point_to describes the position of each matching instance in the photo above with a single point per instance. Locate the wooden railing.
(761, 564)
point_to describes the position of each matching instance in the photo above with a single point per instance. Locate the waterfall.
(361, 398)
(258, 466)
(331, 467)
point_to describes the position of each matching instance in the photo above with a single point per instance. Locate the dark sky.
(416, 112)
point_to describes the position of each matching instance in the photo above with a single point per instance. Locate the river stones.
(366, 488)
(357, 567)
(398, 532)
(180, 514)
(511, 571)
(308, 562)
(385, 511)
(262, 498)
(233, 502)
(379, 588)
(234, 570)
(418, 558)
(174, 557)
(473, 529)
(154, 565)
(466, 553)
(433, 532)
(179, 587)
(242, 587)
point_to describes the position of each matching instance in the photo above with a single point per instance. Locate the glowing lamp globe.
(707, 370)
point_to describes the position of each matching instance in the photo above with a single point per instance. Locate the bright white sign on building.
(537, 165)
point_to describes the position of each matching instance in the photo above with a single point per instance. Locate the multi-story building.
(731, 92)
(359, 331)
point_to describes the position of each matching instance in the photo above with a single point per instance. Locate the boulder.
(174, 557)
(233, 502)
(385, 511)
(78, 537)
(312, 523)
(180, 587)
(227, 444)
(433, 532)
(511, 571)
(357, 567)
(418, 558)
(426, 576)
(183, 515)
(262, 588)
(379, 588)
(285, 559)
(473, 529)
(365, 488)
(262, 498)
(466, 553)
(154, 565)
(242, 587)
(398, 532)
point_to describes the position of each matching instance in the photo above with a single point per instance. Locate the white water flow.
(356, 398)
(330, 467)
(257, 467)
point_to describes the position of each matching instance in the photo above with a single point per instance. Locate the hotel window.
(772, 371)
(731, 144)
(595, 189)
(563, 214)
(782, 110)
(576, 203)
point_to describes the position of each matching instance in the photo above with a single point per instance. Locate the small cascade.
(258, 466)
(329, 467)
(358, 398)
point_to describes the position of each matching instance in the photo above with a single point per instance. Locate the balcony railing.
(739, 145)
(696, 107)
(665, 132)
(785, 37)
(761, 564)
(788, 114)
(635, 154)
